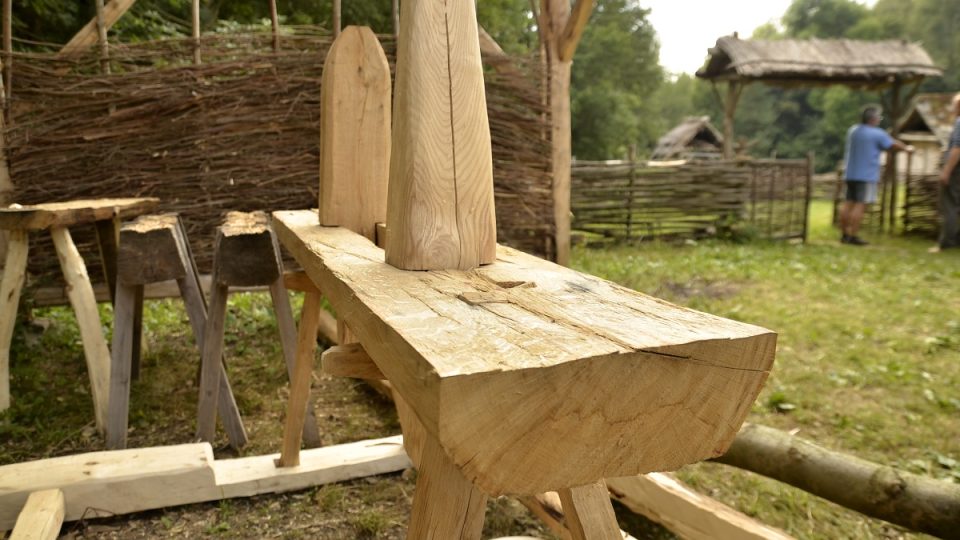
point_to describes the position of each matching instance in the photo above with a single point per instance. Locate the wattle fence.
(634, 201)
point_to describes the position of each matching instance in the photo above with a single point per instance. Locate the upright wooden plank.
(446, 505)
(121, 364)
(14, 275)
(87, 36)
(84, 305)
(499, 362)
(42, 516)
(554, 17)
(589, 514)
(288, 340)
(440, 212)
(300, 386)
(355, 132)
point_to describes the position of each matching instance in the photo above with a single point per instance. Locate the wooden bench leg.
(41, 517)
(80, 292)
(300, 386)
(589, 513)
(446, 506)
(288, 339)
(14, 274)
(121, 364)
(211, 363)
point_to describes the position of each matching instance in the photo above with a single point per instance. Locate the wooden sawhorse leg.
(122, 362)
(589, 513)
(80, 293)
(14, 274)
(300, 385)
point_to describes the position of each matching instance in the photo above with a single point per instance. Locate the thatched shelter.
(694, 138)
(897, 65)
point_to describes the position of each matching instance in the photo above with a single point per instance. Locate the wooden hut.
(927, 127)
(694, 138)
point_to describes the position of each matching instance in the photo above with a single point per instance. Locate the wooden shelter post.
(734, 89)
(336, 19)
(7, 49)
(561, 28)
(195, 11)
(102, 38)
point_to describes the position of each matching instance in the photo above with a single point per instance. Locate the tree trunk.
(916, 502)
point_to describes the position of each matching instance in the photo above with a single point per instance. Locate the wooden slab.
(440, 211)
(246, 251)
(64, 214)
(355, 132)
(41, 516)
(535, 377)
(150, 251)
(102, 484)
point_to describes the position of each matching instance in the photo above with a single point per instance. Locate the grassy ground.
(868, 363)
(867, 359)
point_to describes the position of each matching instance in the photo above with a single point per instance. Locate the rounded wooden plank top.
(65, 214)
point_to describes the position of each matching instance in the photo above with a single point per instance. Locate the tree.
(822, 18)
(615, 75)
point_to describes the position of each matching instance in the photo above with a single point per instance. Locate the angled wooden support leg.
(80, 292)
(446, 506)
(14, 274)
(300, 386)
(41, 517)
(288, 338)
(589, 513)
(121, 363)
(211, 363)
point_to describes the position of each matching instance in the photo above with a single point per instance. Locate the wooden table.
(523, 376)
(18, 220)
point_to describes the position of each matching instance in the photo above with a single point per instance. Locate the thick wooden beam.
(246, 251)
(355, 121)
(41, 517)
(440, 213)
(65, 214)
(495, 362)
(664, 499)
(350, 361)
(104, 484)
(87, 36)
(569, 38)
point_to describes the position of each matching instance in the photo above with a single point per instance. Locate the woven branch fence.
(917, 210)
(238, 132)
(628, 201)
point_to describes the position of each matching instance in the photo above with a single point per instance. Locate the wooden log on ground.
(664, 499)
(104, 484)
(41, 517)
(440, 214)
(493, 362)
(909, 500)
(355, 132)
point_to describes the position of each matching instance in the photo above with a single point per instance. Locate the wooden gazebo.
(897, 65)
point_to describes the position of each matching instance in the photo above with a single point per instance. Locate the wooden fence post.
(275, 25)
(196, 31)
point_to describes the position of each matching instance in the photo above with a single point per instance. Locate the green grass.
(867, 360)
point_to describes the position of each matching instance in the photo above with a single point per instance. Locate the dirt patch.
(698, 288)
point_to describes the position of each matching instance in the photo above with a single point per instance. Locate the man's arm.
(953, 158)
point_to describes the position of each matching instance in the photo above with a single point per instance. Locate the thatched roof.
(818, 61)
(931, 114)
(695, 134)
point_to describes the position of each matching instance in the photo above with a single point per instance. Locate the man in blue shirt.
(950, 187)
(865, 143)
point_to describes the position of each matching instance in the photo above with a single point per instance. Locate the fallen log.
(909, 500)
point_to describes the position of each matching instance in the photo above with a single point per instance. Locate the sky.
(687, 28)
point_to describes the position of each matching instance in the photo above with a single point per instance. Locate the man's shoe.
(856, 241)
(845, 239)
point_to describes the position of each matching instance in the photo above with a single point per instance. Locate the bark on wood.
(355, 133)
(440, 212)
(458, 345)
(41, 518)
(916, 502)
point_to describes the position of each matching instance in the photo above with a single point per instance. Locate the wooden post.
(102, 39)
(808, 196)
(6, 184)
(7, 49)
(395, 17)
(632, 158)
(336, 19)
(440, 213)
(14, 272)
(196, 31)
(275, 25)
(589, 514)
(734, 89)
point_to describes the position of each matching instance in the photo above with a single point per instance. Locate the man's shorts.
(861, 192)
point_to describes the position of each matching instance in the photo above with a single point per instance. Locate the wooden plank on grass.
(41, 518)
(664, 499)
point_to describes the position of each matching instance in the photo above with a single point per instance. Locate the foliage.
(615, 74)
